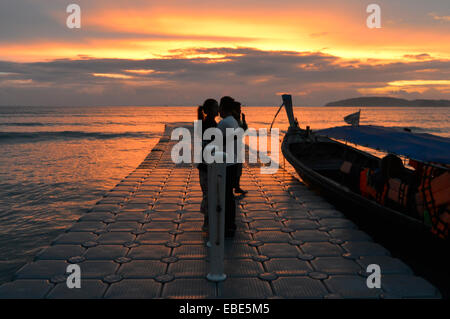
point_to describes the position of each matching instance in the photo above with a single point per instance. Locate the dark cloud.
(255, 76)
(422, 56)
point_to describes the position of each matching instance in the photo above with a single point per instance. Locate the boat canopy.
(420, 146)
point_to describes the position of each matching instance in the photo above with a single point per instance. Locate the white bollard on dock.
(216, 212)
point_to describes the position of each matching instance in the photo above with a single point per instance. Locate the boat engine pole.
(287, 101)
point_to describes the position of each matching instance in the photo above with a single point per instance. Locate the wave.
(45, 136)
(24, 124)
(97, 123)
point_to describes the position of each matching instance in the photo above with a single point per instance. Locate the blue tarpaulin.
(419, 146)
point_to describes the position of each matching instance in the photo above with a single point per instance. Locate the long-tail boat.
(408, 188)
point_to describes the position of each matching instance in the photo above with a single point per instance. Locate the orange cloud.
(435, 16)
(112, 75)
(409, 86)
(146, 32)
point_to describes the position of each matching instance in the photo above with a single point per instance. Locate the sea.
(57, 162)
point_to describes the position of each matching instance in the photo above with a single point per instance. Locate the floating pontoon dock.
(144, 240)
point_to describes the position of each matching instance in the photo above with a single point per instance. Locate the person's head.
(226, 106)
(391, 166)
(236, 110)
(210, 108)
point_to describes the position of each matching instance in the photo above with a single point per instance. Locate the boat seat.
(346, 167)
(328, 165)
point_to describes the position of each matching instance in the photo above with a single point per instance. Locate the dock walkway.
(144, 240)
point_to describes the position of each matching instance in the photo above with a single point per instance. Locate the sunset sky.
(178, 52)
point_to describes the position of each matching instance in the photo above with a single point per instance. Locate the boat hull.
(358, 208)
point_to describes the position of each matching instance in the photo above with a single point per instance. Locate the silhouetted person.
(225, 100)
(391, 166)
(240, 118)
(207, 113)
(228, 121)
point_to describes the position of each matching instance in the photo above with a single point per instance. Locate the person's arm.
(223, 127)
(244, 123)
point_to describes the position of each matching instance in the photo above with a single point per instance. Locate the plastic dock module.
(144, 240)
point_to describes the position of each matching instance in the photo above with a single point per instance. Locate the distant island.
(387, 101)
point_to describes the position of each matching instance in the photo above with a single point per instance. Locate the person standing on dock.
(240, 118)
(206, 113)
(228, 121)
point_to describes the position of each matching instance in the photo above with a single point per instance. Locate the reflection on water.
(57, 162)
